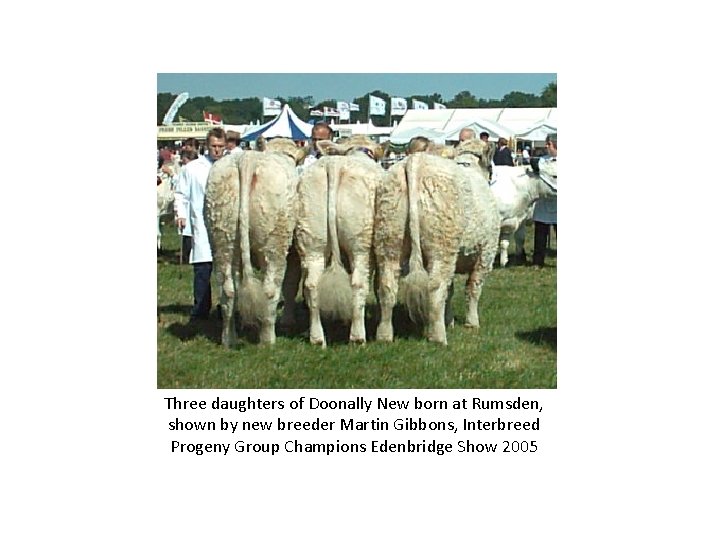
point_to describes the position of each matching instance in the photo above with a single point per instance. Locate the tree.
(548, 98)
(463, 100)
(520, 99)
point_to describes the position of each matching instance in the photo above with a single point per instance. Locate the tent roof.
(494, 130)
(286, 124)
(538, 132)
(361, 129)
(403, 137)
(504, 122)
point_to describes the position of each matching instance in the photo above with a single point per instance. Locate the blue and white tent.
(286, 124)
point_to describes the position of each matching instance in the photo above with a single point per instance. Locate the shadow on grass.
(210, 328)
(172, 256)
(335, 332)
(183, 309)
(544, 336)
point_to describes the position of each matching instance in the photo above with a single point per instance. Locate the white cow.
(335, 232)
(516, 189)
(443, 218)
(250, 212)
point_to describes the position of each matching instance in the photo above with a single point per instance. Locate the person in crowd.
(321, 131)
(191, 144)
(503, 156)
(526, 156)
(418, 144)
(485, 136)
(545, 214)
(189, 201)
(233, 142)
(466, 133)
(188, 154)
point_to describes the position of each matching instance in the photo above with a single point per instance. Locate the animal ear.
(379, 151)
(301, 154)
(329, 148)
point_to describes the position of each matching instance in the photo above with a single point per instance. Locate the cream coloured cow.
(443, 218)
(250, 212)
(335, 232)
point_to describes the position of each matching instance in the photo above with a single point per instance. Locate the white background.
(627, 451)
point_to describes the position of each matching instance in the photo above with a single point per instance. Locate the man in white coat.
(545, 213)
(189, 202)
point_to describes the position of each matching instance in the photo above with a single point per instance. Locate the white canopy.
(403, 137)
(538, 132)
(495, 131)
(505, 122)
(360, 129)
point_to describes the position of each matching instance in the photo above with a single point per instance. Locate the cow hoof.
(357, 339)
(471, 325)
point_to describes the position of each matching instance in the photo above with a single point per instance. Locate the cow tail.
(251, 298)
(416, 296)
(334, 288)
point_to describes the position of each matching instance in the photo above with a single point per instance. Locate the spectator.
(503, 156)
(233, 142)
(418, 144)
(188, 154)
(526, 156)
(321, 131)
(485, 136)
(466, 133)
(545, 213)
(189, 201)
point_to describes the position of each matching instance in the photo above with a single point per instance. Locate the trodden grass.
(515, 347)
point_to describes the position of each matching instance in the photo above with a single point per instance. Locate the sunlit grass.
(514, 348)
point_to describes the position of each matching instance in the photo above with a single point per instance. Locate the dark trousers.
(186, 247)
(202, 291)
(542, 233)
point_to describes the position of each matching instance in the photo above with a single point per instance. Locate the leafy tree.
(463, 100)
(520, 99)
(548, 98)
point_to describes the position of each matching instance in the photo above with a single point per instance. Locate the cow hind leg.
(473, 288)
(360, 290)
(227, 302)
(389, 274)
(290, 286)
(504, 246)
(314, 266)
(441, 272)
(272, 285)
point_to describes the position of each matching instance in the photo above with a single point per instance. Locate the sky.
(346, 86)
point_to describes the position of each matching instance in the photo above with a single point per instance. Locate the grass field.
(515, 347)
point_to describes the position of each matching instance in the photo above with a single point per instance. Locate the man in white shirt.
(321, 131)
(233, 142)
(189, 202)
(545, 213)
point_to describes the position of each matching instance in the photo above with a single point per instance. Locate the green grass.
(515, 347)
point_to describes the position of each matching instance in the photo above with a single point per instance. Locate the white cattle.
(443, 218)
(335, 232)
(516, 189)
(250, 212)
